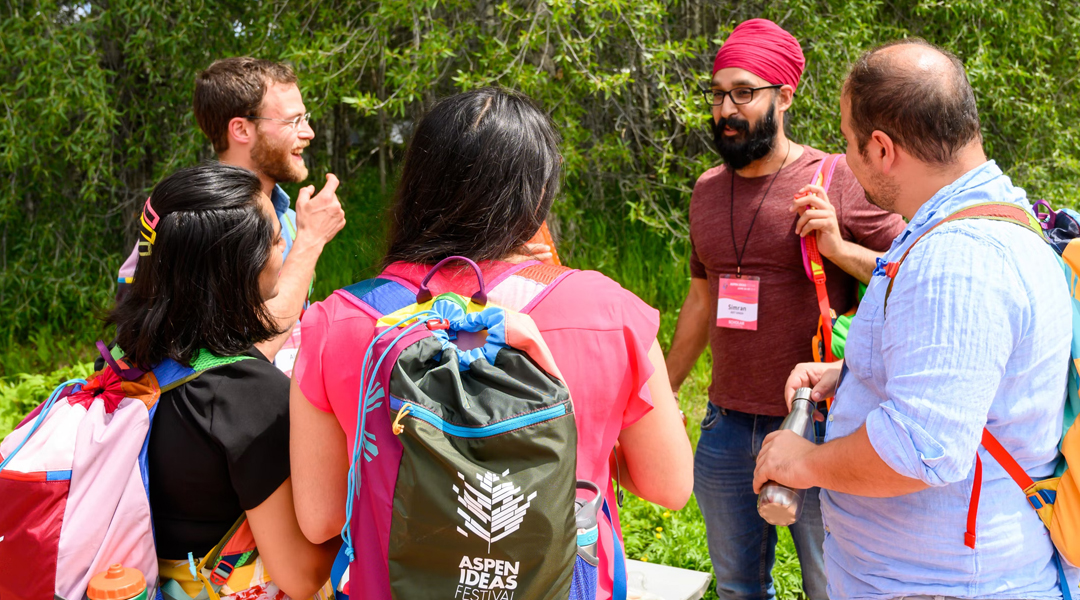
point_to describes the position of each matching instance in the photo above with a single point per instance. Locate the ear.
(785, 97)
(241, 131)
(883, 151)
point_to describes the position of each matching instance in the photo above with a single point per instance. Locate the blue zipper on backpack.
(425, 415)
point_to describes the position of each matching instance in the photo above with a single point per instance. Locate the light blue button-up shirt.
(978, 334)
(286, 215)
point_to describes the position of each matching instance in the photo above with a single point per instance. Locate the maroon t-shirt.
(750, 367)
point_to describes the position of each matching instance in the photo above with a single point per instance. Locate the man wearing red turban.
(750, 297)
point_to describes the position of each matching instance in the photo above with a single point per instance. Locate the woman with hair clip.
(211, 251)
(479, 179)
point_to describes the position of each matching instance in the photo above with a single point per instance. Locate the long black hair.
(479, 178)
(199, 286)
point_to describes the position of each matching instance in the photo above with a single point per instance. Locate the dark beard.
(751, 144)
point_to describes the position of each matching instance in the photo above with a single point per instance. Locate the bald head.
(917, 94)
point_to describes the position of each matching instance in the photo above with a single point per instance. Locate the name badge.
(736, 307)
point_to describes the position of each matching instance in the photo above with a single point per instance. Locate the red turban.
(763, 48)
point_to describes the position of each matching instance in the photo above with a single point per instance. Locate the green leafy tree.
(95, 99)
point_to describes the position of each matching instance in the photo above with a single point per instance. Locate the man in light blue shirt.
(973, 337)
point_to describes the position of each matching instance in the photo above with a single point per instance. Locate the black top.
(219, 446)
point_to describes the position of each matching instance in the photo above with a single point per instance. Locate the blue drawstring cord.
(360, 438)
(45, 408)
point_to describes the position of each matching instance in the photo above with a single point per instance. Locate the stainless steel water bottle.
(779, 504)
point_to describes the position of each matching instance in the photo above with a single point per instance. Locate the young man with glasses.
(252, 111)
(745, 229)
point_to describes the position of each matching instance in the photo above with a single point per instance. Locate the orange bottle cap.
(118, 583)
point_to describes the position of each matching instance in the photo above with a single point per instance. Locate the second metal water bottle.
(779, 504)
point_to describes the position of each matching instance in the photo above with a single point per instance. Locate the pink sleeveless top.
(598, 333)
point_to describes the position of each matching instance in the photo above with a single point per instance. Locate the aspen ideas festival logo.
(491, 511)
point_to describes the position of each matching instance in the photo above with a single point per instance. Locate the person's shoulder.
(251, 368)
(595, 301)
(343, 305)
(813, 155)
(1007, 238)
(712, 173)
(841, 172)
(812, 162)
(234, 382)
(710, 178)
(975, 249)
(602, 287)
(708, 186)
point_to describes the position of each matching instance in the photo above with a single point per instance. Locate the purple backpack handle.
(1046, 215)
(479, 297)
(129, 374)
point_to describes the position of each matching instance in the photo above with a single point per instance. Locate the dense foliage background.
(95, 107)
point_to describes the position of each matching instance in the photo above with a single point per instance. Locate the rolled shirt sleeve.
(955, 315)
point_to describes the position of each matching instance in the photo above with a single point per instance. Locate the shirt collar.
(951, 197)
(280, 200)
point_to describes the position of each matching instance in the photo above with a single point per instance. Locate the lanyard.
(739, 253)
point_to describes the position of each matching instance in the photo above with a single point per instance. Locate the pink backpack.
(74, 481)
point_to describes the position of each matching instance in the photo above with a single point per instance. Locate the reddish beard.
(276, 161)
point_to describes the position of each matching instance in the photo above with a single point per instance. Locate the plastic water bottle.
(118, 583)
(779, 504)
(585, 518)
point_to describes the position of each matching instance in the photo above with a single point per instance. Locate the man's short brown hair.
(231, 88)
(932, 117)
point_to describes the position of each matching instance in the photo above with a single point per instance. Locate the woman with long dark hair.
(211, 251)
(479, 180)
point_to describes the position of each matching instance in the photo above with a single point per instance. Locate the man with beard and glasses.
(252, 112)
(745, 228)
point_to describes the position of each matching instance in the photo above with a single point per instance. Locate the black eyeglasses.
(296, 123)
(739, 95)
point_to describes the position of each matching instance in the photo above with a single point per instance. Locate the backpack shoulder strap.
(520, 289)
(825, 172)
(813, 263)
(994, 211)
(1007, 462)
(379, 296)
(219, 562)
